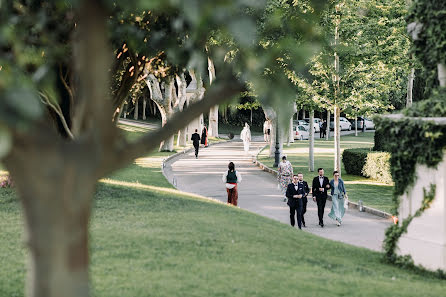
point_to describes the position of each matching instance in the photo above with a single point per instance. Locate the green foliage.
(354, 160)
(411, 141)
(377, 167)
(429, 41)
(380, 141)
(367, 163)
(373, 57)
(435, 106)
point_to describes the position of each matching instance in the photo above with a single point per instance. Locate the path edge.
(351, 205)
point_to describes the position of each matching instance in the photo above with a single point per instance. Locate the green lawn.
(148, 239)
(374, 194)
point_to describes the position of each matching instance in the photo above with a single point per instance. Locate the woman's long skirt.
(232, 195)
(337, 208)
(284, 181)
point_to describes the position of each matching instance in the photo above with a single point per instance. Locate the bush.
(380, 143)
(354, 160)
(362, 161)
(377, 166)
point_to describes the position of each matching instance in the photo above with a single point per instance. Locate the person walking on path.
(323, 130)
(196, 142)
(284, 176)
(204, 136)
(245, 135)
(266, 131)
(337, 193)
(306, 191)
(319, 189)
(295, 193)
(232, 178)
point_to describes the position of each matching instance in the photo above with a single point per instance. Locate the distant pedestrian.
(232, 178)
(319, 189)
(245, 135)
(196, 142)
(306, 190)
(337, 195)
(323, 130)
(204, 136)
(266, 131)
(295, 193)
(284, 176)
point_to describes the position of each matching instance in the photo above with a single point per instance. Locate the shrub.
(377, 166)
(354, 160)
(379, 141)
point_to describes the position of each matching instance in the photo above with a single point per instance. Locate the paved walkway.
(258, 193)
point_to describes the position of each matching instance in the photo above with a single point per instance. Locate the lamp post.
(277, 152)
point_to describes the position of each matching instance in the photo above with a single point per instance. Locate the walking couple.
(320, 188)
(296, 191)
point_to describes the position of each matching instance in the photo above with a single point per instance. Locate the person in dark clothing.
(319, 190)
(196, 142)
(204, 136)
(323, 130)
(295, 192)
(306, 190)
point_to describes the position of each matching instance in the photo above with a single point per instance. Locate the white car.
(300, 132)
(343, 122)
(316, 124)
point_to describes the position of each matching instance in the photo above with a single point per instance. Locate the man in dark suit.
(319, 189)
(196, 142)
(295, 193)
(306, 190)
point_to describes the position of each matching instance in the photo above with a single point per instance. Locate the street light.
(277, 152)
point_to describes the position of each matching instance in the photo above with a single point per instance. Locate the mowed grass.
(148, 239)
(372, 193)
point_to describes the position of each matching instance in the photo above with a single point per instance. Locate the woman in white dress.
(245, 135)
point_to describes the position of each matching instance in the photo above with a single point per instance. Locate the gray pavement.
(258, 193)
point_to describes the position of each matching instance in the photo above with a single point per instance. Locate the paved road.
(258, 193)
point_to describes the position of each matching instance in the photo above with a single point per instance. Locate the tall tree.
(57, 202)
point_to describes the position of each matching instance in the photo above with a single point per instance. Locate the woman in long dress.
(204, 136)
(245, 135)
(337, 193)
(285, 175)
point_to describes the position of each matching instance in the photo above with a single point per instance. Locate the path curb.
(351, 205)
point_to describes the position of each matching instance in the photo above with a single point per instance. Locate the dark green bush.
(364, 162)
(377, 167)
(354, 160)
(380, 141)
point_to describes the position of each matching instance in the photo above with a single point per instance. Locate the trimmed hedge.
(354, 160)
(367, 163)
(377, 166)
(379, 142)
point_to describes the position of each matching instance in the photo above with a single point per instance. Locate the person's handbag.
(345, 202)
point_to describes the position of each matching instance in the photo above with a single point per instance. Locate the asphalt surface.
(258, 193)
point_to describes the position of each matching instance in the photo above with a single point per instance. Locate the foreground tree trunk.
(311, 146)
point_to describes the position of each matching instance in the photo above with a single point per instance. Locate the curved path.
(258, 193)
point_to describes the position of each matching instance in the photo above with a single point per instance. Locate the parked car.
(316, 124)
(300, 132)
(343, 122)
(368, 123)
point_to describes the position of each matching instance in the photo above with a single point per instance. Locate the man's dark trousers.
(296, 208)
(196, 149)
(321, 197)
(304, 209)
